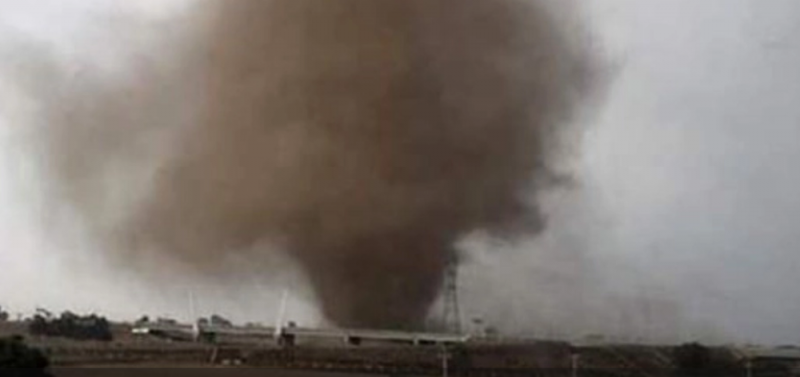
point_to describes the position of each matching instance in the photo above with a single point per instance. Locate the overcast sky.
(696, 152)
(690, 163)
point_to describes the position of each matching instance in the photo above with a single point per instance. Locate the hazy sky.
(695, 153)
(689, 166)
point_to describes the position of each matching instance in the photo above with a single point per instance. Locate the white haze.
(686, 203)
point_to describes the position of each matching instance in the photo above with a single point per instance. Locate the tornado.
(362, 138)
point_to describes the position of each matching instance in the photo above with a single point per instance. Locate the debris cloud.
(362, 138)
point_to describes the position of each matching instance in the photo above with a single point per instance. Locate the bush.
(4, 316)
(72, 326)
(17, 359)
(696, 360)
(692, 356)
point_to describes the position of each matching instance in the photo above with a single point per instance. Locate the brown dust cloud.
(361, 138)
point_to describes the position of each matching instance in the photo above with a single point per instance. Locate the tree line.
(72, 326)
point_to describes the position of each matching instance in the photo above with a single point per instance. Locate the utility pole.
(196, 330)
(574, 358)
(279, 320)
(192, 312)
(749, 366)
(445, 362)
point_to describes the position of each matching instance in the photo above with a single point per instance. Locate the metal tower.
(451, 314)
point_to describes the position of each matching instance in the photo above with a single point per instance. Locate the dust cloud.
(363, 139)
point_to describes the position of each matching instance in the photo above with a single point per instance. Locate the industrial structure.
(289, 335)
(451, 313)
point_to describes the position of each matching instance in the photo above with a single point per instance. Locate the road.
(154, 371)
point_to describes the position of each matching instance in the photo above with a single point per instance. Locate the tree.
(4, 316)
(38, 325)
(44, 313)
(17, 359)
(692, 356)
(217, 320)
(144, 319)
